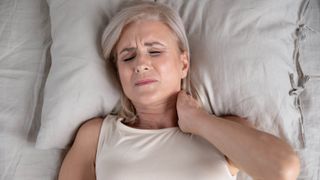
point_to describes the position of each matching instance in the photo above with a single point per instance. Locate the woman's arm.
(259, 154)
(79, 163)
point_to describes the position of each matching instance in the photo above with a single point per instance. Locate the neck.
(157, 116)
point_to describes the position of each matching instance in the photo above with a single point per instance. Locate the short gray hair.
(112, 33)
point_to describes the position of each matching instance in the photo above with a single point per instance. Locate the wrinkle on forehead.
(147, 44)
(138, 35)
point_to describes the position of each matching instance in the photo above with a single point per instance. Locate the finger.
(182, 93)
(186, 92)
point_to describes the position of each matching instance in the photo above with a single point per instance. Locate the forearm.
(261, 155)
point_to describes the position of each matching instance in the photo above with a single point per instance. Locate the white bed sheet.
(24, 41)
(24, 64)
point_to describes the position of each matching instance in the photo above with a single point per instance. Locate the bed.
(27, 51)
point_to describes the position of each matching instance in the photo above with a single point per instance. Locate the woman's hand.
(189, 112)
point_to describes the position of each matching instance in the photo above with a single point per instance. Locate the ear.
(184, 64)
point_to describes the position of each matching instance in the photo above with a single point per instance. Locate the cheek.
(171, 72)
(124, 76)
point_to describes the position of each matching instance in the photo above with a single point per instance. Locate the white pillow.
(241, 56)
(77, 87)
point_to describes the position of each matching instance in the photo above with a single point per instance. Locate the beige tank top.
(126, 153)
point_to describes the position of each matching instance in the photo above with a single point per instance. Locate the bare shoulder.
(87, 137)
(79, 163)
(91, 126)
(88, 133)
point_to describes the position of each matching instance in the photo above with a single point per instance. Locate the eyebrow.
(127, 49)
(150, 44)
(153, 43)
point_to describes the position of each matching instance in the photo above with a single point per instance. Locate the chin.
(147, 100)
(152, 99)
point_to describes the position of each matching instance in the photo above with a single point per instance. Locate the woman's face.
(149, 61)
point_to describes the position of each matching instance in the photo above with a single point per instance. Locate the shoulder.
(89, 130)
(79, 162)
(91, 126)
(88, 135)
(87, 138)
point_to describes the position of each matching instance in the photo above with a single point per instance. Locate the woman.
(160, 130)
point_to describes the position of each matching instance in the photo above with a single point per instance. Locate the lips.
(145, 82)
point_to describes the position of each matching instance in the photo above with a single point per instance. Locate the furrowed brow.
(153, 43)
(150, 44)
(130, 49)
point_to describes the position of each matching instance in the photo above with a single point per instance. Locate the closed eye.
(129, 58)
(154, 53)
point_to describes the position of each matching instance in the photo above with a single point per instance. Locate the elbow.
(289, 168)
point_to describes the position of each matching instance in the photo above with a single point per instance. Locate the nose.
(142, 68)
(143, 64)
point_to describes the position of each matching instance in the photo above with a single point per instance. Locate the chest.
(174, 157)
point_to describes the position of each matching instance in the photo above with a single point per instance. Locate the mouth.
(144, 82)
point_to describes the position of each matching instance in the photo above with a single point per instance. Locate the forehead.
(143, 31)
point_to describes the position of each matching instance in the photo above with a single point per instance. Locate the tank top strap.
(107, 127)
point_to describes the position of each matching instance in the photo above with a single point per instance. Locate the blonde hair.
(112, 33)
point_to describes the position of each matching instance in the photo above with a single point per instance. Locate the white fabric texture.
(241, 53)
(24, 42)
(242, 59)
(77, 86)
(310, 69)
(309, 62)
(126, 153)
